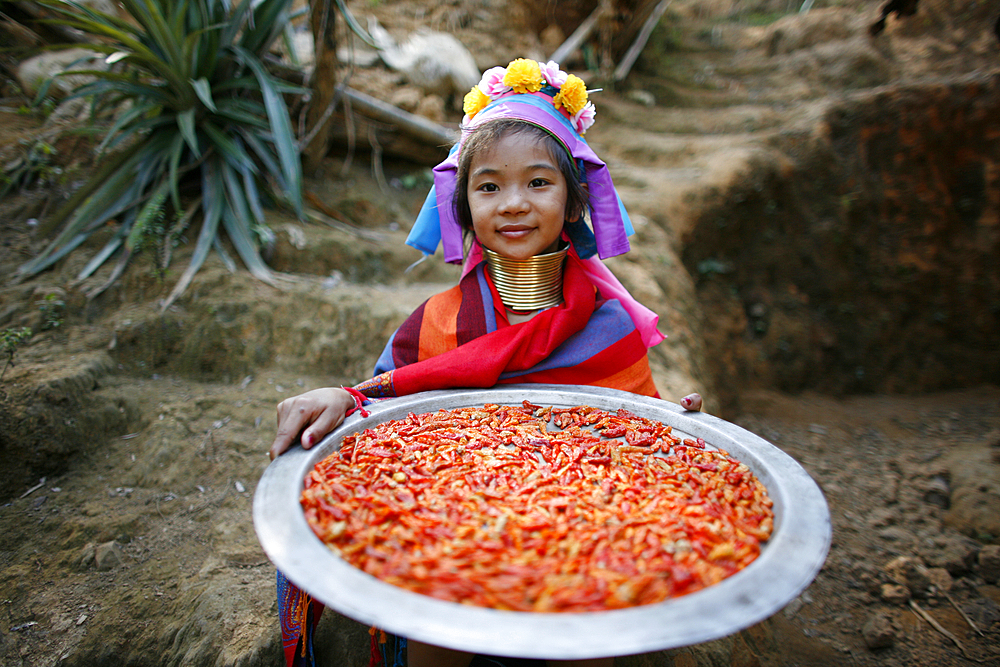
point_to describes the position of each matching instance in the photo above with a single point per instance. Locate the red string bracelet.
(359, 401)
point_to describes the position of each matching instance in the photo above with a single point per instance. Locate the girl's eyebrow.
(531, 167)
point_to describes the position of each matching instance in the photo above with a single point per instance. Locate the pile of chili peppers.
(538, 509)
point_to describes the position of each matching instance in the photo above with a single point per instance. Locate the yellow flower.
(474, 102)
(524, 76)
(572, 95)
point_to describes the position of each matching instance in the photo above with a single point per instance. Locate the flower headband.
(521, 76)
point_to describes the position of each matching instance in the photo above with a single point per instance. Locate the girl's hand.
(309, 417)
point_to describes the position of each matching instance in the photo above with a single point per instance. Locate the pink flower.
(552, 74)
(584, 118)
(492, 82)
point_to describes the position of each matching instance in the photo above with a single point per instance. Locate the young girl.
(534, 304)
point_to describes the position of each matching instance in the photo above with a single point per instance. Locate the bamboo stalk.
(578, 36)
(625, 66)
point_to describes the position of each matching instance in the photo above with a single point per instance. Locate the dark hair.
(488, 135)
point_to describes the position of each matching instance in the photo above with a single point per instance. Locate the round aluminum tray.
(788, 562)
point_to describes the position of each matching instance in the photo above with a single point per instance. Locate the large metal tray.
(788, 562)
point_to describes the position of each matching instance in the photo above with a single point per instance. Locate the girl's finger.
(691, 402)
(325, 422)
(291, 421)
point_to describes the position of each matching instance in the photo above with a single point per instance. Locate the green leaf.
(281, 128)
(253, 196)
(353, 24)
(128, 117)
(203, 89)
(264, 25)
(173, 175)
(213, 205)
(185, 121)
(109, 198)
(243, 113)
(236, 220)
(264, 154)
(97, 260)
(229, 149)
(236, 23)
(288, 39)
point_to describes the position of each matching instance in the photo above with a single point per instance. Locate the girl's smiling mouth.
(515, 231)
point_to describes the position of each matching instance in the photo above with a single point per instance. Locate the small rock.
(989, 563)
(983, 611)
(794, 607)
(432, 108)
(938, 492)
(878, 632)
(643, 97)
(212, 565)
(108, 556)
(909, 571)
(33, 72)
(895, 593)
(436, 62)
(406, 98)
(896, 534)
(955, 553)
(891, 488)
(880, 517)
(940, 579)
(86, 558)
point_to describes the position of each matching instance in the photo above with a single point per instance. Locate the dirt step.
(52, 413)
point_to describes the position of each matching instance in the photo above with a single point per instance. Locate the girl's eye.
(488, 187)
(538, 182)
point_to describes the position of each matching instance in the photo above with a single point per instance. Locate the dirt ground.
(126, 509)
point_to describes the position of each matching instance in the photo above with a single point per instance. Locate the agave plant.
(194, 105)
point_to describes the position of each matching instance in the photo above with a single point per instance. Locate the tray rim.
(787, 565)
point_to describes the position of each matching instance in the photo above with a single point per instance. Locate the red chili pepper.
(458, 505)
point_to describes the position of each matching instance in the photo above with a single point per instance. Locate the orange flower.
(572, 95)
(524, 76)
(474, 102)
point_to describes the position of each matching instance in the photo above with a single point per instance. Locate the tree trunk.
(324, 82)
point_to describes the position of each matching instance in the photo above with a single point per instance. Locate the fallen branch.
(415, 126)
(937, 626)
(40, 484)
(322, 218)
(964, 615)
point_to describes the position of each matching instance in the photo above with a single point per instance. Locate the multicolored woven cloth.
(460, 338)
(299, 614)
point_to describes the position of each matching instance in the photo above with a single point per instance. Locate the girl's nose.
(514, 201)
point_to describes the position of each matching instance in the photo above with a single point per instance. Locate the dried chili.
(489, 506)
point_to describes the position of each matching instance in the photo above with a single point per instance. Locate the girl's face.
(517, 197)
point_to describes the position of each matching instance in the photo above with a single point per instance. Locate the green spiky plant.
(194, 105)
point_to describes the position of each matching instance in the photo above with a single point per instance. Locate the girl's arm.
(309, 417)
